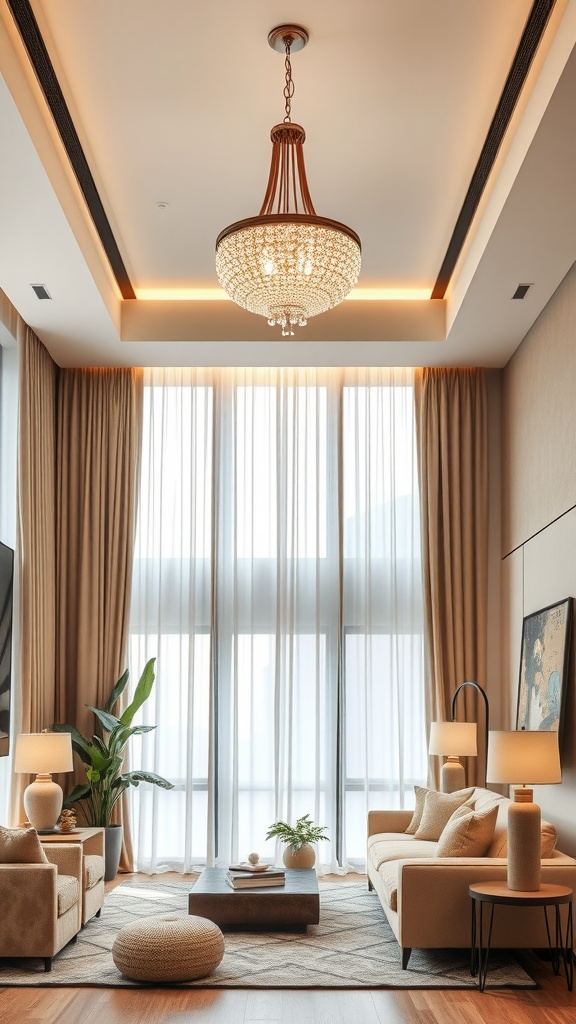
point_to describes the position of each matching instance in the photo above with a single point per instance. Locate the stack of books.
(240, 878)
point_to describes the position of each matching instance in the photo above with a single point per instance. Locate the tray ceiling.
(135, 132)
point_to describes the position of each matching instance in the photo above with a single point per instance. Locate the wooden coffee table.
(289, 907)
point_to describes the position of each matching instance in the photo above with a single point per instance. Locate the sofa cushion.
(482, 798)
(68, 892)
(468, 832)
(420, 794)
(94, 867)
(386, 846)
(21, 846)
(419, 798)
(438, 808)
(499, 844)
(389, 875)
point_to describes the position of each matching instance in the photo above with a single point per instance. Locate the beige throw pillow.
(438, 809)
(468, 832)
(420, 796)
(499, 848)
(21, 846)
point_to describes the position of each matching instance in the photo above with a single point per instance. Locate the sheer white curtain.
(277, 580)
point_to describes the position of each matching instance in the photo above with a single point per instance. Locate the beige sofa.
(425, 897)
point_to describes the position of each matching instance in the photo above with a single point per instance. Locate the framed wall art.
(544, 667)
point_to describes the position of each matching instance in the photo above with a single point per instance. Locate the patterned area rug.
(352, 947)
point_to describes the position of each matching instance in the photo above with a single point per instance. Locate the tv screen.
(6, 581)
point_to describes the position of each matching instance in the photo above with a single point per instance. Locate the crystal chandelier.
(287, 264)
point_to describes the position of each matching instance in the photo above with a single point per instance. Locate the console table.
(91, 839)
(494, 893)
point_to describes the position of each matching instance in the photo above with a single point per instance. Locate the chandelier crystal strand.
(287, 264)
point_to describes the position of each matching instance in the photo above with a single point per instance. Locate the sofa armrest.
(388, 821)
(67, 857)
(434, 906)
(29, 900)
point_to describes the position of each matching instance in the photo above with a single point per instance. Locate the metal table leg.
(483, 961)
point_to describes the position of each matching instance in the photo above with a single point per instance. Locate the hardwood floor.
(551, 1004)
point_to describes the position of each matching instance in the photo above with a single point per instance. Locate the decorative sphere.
(253, 858)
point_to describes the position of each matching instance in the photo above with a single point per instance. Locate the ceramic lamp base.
(43, 800)
(524, 842)
(452, 776)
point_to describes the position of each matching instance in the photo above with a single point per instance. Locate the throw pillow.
(468, 833)
(499, 848)
(420, 796)
(21, 846)
(438, 809)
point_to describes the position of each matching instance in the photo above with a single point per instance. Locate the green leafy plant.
(103, 755)
(296, 836)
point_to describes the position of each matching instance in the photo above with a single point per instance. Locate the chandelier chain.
(289, 86)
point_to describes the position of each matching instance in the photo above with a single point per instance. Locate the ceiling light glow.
(219, 295)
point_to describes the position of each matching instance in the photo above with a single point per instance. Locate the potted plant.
(103, 759)
(299, 852)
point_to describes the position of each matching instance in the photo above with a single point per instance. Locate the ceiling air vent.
(40, 291)
(521, 290)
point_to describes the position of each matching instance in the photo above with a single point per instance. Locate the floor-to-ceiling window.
(277, 582)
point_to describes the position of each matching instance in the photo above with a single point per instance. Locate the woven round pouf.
(168, 947)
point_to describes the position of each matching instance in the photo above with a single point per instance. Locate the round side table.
(494, 893)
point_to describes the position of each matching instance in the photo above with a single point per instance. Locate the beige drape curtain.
(452, 438)
(98, 450)
(79, 452)
(36, 544)
(98, 444)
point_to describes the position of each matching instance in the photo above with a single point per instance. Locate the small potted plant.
(299, 852)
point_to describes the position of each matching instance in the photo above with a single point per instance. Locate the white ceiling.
(173, 103)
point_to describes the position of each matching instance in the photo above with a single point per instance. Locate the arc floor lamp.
(457, 739)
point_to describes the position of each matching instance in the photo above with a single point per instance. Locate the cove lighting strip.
(219, 295)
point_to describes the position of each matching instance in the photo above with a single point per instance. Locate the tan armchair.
(41, 904)
(93, 865)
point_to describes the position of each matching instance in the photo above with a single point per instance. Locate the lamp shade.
(524, 757)
(43, 753)
(453, 738)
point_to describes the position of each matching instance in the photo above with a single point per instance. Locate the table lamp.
(42, 753)
(532, 757)
(452, 740)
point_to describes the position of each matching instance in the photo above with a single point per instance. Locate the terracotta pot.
(305, 857)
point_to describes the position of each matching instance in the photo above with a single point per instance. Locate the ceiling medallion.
(287, 264)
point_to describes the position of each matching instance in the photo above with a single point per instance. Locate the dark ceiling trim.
(531, 36)
(34, 43)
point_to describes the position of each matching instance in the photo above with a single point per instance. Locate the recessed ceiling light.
(521, 291)
(41, 291)
(162, 205)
